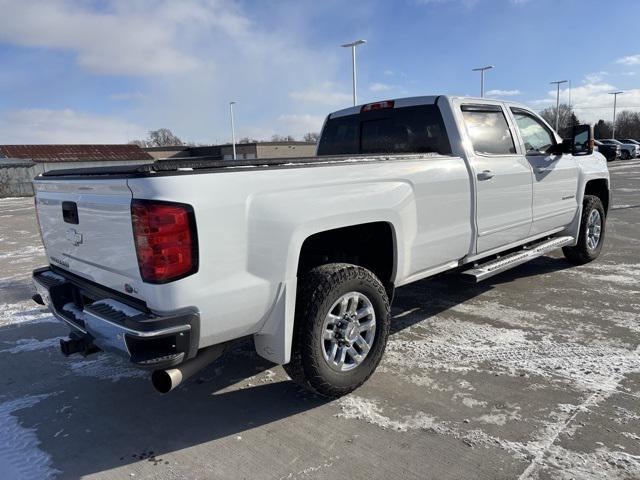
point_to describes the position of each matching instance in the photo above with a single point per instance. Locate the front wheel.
(591, 235)
(625, 155)
(341, 329)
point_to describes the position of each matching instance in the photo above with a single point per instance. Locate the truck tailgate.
(86, 230)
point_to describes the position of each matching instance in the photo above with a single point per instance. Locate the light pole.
(482, 70)
(233, 130)
(558, 83)
(615, 102)
(353, 46)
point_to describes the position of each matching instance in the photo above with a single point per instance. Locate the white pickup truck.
(165, 264)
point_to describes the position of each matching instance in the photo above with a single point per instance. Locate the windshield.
(417, 129)
(611, 141)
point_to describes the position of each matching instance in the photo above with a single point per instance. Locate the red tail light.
(377, 106)
(166, 240)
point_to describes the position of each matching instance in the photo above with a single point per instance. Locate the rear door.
(502, 177)
(555, 177)
(86, 230)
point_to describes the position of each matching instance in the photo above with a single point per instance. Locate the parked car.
(627, 150)
(165, 264)
(611, 152)
(632, 141)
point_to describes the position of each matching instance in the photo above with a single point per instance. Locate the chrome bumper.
(114, 324)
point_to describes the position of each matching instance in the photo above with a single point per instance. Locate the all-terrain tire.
(318, 290)
(582, 252)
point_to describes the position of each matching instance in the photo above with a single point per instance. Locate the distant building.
(244, 151)
(19, 164)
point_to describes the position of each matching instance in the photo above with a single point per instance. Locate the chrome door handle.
(485, 175)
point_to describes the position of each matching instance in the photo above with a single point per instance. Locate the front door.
(503, 178)
(555, 177)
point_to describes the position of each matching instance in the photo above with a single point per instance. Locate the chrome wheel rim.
(594, 229)
(348, 331)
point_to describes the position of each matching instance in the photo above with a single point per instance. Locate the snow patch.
(20, 457)
(32, 345)
(368, 410)
(17, 313)
(459, 346)
(106, 367)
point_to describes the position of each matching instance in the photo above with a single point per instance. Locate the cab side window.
(488, 129)
(536, 136)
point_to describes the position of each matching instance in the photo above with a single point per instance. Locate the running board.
(489, 269)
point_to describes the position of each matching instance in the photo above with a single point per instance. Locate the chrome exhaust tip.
(166, 380)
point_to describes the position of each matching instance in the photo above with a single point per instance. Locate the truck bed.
(190, 165)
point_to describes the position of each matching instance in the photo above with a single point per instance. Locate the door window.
(488, 130)
(536, 136)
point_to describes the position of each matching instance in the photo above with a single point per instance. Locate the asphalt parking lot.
(533, 374)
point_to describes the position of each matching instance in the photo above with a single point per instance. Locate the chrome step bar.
(483, 271)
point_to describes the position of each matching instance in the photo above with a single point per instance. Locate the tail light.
(377, 106)
(166, 240)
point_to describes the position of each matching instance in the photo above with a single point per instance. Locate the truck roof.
(421, 100)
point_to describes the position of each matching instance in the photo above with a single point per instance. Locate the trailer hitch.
(78, 343)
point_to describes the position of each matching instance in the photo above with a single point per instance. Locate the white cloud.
(64, 126)
(324, 94)
(190, 59)
(595, 77)
(592, 101)
(130, 38)
(299, 124)
(503, 93)
(381, 87)
(389, 72)
(630, 60)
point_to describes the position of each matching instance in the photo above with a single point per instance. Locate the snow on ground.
(20, 455)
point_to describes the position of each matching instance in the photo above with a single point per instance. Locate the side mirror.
(581, 141)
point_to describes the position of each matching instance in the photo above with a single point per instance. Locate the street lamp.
(353, 46)
(482, 70)
(558, 83)
(615, 101)
(233, 130)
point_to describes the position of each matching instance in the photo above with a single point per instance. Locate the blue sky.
(109, 70)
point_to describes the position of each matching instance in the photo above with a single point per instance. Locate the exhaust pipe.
(166, 380)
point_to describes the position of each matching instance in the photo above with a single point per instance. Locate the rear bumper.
(117, 323)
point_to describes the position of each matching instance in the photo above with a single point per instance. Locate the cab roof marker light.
(377, 106)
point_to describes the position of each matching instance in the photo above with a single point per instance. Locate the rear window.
(417, 129)
(488, 130)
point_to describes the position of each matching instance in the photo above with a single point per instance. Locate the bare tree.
(602, 129)
(628, 125)
(163, 137)
(283, 138)
(566, 121)
(311, 137)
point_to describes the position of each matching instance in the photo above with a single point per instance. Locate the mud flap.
(273, 342)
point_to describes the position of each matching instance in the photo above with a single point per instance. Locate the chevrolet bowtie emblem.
(74, 237)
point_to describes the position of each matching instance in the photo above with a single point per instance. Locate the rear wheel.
(625, 155)
(591, 235)
(341, 329)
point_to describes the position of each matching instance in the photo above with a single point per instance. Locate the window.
(536, 136)
(340, 136)
(417, 129)
(488, 129)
